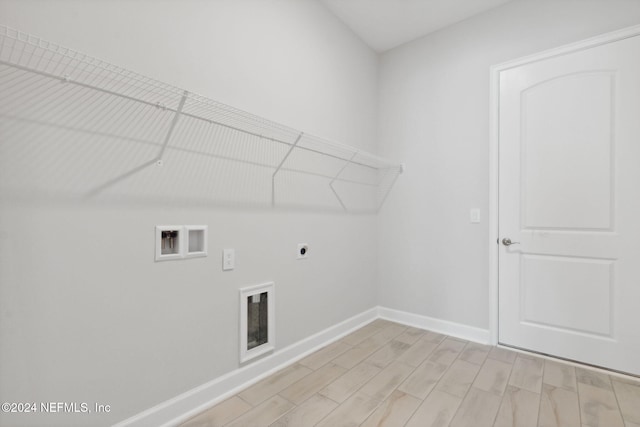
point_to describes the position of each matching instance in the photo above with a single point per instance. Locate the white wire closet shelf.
(75, 126)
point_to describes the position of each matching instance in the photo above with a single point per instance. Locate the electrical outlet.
(228, 259)
(303, 250)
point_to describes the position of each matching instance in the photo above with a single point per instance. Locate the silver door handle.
(507, 242)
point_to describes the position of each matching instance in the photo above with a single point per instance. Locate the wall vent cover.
(257, 325)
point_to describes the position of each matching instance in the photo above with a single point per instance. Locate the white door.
(569, 193)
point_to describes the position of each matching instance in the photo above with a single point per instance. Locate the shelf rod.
(182, 150)
(336, 177)
(190, 115)
(174, 121)
(280, 141)
(284, 159)
(88, 86)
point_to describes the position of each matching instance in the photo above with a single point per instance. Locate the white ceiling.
(385, 24)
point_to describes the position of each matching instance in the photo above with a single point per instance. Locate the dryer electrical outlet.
(303, 250)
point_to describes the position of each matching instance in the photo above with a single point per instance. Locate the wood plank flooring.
(386, 374)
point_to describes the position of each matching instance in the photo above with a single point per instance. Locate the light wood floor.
(386, 374)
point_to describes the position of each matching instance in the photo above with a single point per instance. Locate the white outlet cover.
(228, 259)
(474, 216)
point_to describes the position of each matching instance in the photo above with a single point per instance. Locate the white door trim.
(494, 145)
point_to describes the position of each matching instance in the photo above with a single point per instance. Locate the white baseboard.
(186, 405)
(457, 330)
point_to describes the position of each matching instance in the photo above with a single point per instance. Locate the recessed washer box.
(169, 242)
(196, 241)
(180, 241)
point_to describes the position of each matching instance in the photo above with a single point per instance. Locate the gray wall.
(434, 114)
(86, 313)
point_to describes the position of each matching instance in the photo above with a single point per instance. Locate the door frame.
(494, 151)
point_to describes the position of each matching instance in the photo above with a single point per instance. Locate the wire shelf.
(72, 124)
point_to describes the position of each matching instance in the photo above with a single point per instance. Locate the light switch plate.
(474, 216)
(228, 259)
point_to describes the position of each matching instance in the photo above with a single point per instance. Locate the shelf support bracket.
(284, 159)
(336, 177)
(390, 186)
(172, 126)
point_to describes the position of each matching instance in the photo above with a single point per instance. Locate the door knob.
(507, 242)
